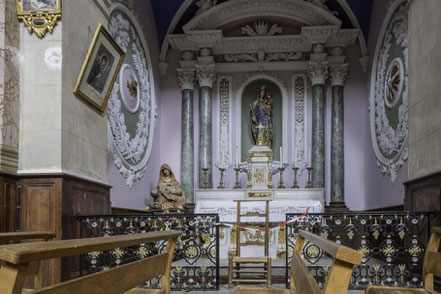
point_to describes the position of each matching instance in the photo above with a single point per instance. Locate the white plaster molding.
(356, 25)
(261, 28)
(224, 123)
(131, 155)
(318, 72)
(390, 144)
(299, 152)
(364, 63)
(186, 78)
(338, 74)
(206, 75)
(329, 36)
(231, 11)
(280, 82)
(204, 5)
(163, 69)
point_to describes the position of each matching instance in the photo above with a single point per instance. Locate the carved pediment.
(299, 11)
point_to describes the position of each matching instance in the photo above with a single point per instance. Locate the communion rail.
(196, 260)
(392, 244)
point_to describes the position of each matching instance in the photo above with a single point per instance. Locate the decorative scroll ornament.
(224, 145)
(130, 134)
(338, 74)
(299, 89)
(206, 75)
(40, 17)
(389, 93)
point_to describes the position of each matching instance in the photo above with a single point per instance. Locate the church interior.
(220, 146)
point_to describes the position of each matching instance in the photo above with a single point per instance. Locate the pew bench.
(36, 269)
(301, 280)
(17, 259)
(431, 267)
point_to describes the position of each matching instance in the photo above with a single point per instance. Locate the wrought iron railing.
(392, 244)
(196, 260)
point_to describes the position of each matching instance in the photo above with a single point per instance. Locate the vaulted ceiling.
(165, 10)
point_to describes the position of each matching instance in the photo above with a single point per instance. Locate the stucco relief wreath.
(130, 152)
(391, 85)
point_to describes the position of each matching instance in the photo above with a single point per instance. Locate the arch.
(279, 82)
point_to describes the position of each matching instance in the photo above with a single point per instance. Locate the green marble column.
(338, 75)
(318, 73)
(206, 76)
(186, 80)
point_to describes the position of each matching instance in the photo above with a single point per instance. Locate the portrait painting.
(39, 5)
(100, 69)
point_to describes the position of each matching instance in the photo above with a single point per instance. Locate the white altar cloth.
(221, 202)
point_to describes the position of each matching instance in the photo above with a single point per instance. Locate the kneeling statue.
(168, 193)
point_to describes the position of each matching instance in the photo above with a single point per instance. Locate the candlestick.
(309, 183)
(205, 170)
(237, 184)
(221, 183)
(295, 186)
(281, 170)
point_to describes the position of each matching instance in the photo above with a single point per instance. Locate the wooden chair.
(301, 280)
(431, 267)
(18, 258)
(235, 273)
(38, 268)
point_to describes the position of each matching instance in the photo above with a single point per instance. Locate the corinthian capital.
(206, 75)
(186, 78)
(318, 72)
(338, 74)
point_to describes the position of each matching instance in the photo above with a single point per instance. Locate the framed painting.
(100, 69)
(39, 16)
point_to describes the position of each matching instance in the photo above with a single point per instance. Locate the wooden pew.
(36, 268)
(18, 258)
(431, 267)
(301, 280)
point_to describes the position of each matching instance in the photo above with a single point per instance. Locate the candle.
(205, 157)
(310, 154)
(237, 156)
(281, 156)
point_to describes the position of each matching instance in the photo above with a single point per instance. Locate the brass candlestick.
(205, 170)
(221, 183)
(296, 170)
(309, 183)
(281, 170)
(237, 184)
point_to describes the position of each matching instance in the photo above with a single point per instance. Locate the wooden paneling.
(424, 194)
(51, 203)
(8, 203)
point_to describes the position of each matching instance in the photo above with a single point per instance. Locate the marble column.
(186, 81)
(206, 76)
(338, 75)
(318, 73)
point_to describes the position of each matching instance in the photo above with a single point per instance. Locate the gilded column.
(206, 76)
(186, 81)
(338, 75)
(318, 73)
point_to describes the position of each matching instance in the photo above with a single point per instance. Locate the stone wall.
(424, 88)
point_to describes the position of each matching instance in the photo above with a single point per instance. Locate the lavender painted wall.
(379, 191)
(355, 127)
(139, 196)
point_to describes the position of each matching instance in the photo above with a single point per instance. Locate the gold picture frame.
(39, 16)
(100, 69)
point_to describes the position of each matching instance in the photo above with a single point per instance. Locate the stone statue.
(168, 193)
(261, 118)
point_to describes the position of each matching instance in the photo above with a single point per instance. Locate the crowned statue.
(168, 194)
(261, 118)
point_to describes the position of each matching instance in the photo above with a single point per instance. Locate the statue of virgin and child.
(261, 118)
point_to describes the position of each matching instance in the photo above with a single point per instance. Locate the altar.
(221, 202)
